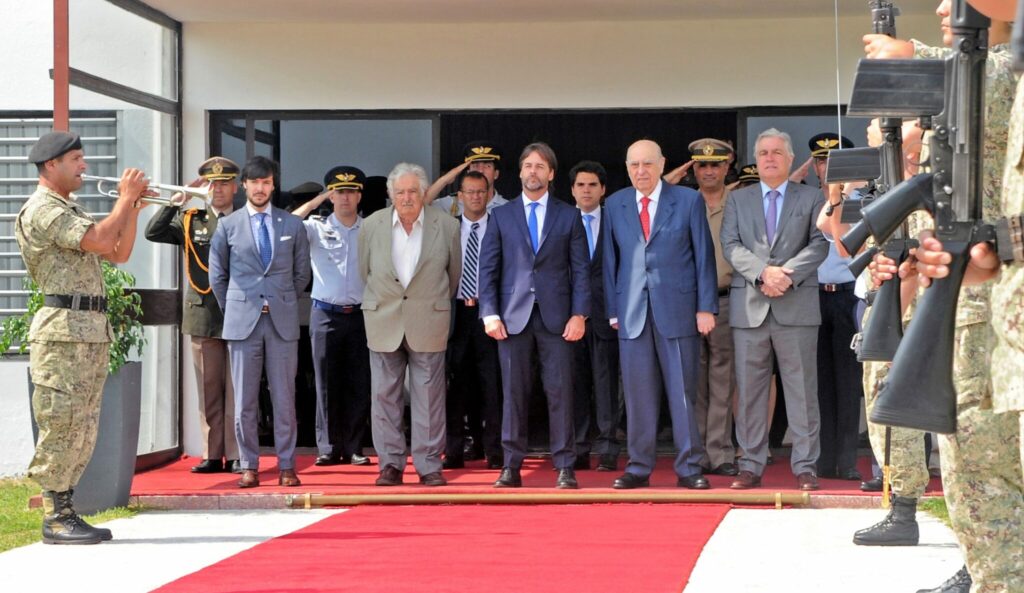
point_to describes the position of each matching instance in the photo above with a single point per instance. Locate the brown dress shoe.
(745, 481)
(288, 478)
(389, 476)
(250, 479)
(433, 479)
(807, 481)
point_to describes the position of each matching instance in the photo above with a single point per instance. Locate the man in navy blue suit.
(661, 288)
(535, 299)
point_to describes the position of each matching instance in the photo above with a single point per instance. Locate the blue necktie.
(265, 252)
(534, 227)
(588, 220)
(771, 218)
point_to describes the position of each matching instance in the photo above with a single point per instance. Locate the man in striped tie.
(474, 387)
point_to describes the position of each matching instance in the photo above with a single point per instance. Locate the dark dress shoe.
(250, 479)
(850, 474)
(233, 466)
(495, 461)
(582, 462)
(726, 469)
(872, 485)
(807, 481)
(745, 481)
(208, 466)
(628, 481)
(389, 476)
(608, 463)
(694, 482)
(567, 479)
(328, 460)
(509, 478)
(453, 463)
(288, 478)
(433, 479)
(357, 459)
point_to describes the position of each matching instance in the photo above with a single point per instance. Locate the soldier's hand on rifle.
(933, 261)
(676, 175)
(883, 47)
(882, 269)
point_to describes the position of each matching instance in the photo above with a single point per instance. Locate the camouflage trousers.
(68, 379)
(984, 491)
(907, 464)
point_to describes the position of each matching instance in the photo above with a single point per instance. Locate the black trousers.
(341, 362)
(596, 392)
(839, 383)
(474, 385)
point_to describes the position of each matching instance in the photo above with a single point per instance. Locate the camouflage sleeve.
(61, 226)
(927, 52)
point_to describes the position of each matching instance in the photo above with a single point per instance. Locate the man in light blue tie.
(596, 385)
(534, 299)
(259, 264)
(770, 238)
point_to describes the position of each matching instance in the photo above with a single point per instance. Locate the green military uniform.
(202, 318)
(69, 354)
(983, 490)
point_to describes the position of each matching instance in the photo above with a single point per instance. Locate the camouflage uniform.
(69, 355)
(982, 490)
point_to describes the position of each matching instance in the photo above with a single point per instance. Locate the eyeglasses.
(473, 192)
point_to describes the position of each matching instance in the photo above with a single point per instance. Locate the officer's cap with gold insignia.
(345, 177)
(481, 151)
(53, 145)
(748, 173)
(822, 144)
(710, 150)
(219, 168)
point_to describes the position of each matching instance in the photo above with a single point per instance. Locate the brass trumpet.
(203, 193)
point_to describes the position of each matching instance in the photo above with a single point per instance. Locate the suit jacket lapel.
(757, 204)
(788, 204)
(431, 230)
(631, 214)
(251, 234)
(386, 242)
(666, 205)
(549, 222)
(520, 222)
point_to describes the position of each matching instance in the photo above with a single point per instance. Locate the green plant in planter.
(124, 309)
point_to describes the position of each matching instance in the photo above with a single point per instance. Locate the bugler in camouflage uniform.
(70, 335)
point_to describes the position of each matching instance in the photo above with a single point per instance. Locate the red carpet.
(175, 479)
(534, 549)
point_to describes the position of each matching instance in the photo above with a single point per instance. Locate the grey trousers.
(715, 386)
(426, 395)
(796, 349)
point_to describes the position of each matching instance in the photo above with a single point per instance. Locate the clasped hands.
(775, 281)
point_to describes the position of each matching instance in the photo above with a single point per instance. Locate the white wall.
(16, 443)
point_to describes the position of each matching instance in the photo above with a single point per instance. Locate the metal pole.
(61, 108)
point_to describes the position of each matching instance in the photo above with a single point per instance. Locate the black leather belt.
(843, 287)
(723, 292)
(76, 302)
(343, 309)
(469, 302)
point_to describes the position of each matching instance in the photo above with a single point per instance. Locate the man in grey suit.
(259, 264)
(410, 258)
(770, 239)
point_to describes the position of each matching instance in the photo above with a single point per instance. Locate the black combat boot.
(61, 524)
(103, 532)
(958, 583)
(899, 528)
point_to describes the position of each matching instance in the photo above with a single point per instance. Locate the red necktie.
(645, 217)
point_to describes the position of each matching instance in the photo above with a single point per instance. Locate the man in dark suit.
(596, 393)
(259, 264)
(770, 238)
(201, 317)
(660, 287)
(534, 299)
(474, 389)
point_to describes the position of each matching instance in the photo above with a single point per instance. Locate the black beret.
(480, 151)
(822, 144)
(345, 177)
(53, 145)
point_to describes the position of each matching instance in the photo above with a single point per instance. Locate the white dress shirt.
(595, 225)
(405, 247)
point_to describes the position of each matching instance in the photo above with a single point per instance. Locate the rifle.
(919, 392)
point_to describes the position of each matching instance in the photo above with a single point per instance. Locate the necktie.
(534, 227)
(645, 217)
(467, 286)
(771, 217)
(264, 240)
(588, 220)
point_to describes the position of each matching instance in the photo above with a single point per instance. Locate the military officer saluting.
(70, 336)
(201, 317)
(479, 155)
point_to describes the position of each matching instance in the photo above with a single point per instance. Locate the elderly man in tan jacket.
(411, 260)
